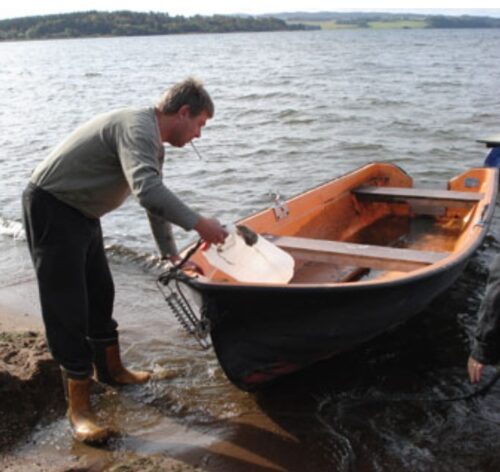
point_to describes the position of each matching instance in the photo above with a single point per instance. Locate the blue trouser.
(74, 281)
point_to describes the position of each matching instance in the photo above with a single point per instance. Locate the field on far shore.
(332, 24)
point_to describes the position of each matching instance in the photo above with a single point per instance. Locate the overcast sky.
(18, 8)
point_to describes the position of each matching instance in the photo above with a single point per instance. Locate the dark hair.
(188, 92)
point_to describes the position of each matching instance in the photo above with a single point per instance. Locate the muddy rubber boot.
(108, 367)
(83, 422)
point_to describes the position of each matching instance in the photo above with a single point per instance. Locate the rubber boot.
(108, 366)
(83, 422)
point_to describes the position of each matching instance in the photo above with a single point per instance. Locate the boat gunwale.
(443, 265)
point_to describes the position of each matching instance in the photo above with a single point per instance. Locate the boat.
(370, 251)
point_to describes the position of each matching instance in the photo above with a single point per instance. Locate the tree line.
(462, 22)
(127, 23)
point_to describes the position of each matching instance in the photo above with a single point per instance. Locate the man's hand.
(188, 266)
(475, 370)
(211, 231)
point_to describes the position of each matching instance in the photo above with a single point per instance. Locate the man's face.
(187, 127)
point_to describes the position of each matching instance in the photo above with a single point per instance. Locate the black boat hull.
(370, 249)
(261, 333)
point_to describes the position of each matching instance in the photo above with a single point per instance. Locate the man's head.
(182, 111)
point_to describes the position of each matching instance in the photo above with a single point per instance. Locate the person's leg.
(486, 347)
(84, 424)
(102, 328)
(58, 238)
(492, 294)
(101, 290)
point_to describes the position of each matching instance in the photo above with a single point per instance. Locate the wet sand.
(36, 435)
(19, 309)
(31, 395)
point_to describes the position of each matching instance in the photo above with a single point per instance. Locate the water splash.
(13, 229)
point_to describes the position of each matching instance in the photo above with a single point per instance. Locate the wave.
(289, 112)
(121, 254)
(267, 95)
(300, 121)
(346, 146)
(117, 253)
(407, 125)
(13, 229)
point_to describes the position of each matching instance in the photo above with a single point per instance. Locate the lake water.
(292, 110)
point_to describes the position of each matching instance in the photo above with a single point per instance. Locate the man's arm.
(140, 150)
(164, 237)
(139, 153)
(486, 345)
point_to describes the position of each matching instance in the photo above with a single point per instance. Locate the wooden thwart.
(360, 255)
(448, 198)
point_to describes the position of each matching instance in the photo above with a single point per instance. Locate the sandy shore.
(32, 398)
(19, 307)
(15, 321)
(162, 431)
(31, 393)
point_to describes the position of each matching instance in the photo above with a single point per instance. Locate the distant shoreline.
(94, 24)
(126, 23)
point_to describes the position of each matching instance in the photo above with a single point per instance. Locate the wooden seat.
(359, 255)
(432, 197)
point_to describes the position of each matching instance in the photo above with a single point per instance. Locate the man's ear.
(184, 111)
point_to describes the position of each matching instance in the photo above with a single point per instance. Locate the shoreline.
(32, 403)
(13, 320)
(31, 394)
(20, 306)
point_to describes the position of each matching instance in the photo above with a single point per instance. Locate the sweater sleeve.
(163, 235)
(138, 150)
(486, 343)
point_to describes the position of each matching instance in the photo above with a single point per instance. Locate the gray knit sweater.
(98, 165)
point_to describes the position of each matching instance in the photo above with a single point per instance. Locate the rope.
(166, 276)
(381, 398)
